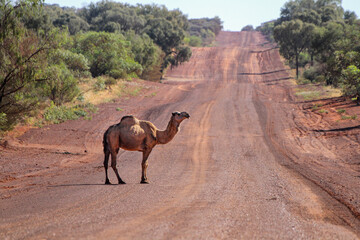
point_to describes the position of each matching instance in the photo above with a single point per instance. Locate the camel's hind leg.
(106, 161)
(113, 165)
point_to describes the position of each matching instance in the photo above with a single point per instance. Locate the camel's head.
(180, 116)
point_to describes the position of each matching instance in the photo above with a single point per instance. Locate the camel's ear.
(173, 113)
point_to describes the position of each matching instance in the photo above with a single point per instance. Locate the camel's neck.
(168, 134)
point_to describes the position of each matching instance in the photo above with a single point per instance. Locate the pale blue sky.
(234, 13)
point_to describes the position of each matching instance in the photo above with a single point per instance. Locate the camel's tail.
(105, 143)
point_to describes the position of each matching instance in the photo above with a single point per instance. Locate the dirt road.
(228, 174)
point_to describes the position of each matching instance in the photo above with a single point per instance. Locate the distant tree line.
(46, 50)
(202, 32)
(322, 38)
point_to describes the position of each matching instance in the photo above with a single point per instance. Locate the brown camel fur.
(133, 134)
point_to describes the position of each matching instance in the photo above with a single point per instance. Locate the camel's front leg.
(144, 165)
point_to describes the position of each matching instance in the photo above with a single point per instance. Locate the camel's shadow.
(82, 184)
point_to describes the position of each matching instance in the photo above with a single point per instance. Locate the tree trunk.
(297, 66)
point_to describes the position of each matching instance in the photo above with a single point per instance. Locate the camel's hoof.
(107, 182)
(122, 182)
(144, 182)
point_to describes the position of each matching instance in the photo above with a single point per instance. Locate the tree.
(350, 17)
(108, 54)
(294, 37)
(204, 28)
(61, 86)
(248, 28)
(22, 58)
(145, 52)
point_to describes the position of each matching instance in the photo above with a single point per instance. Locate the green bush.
(57, 114)
(340, 111)
(351, 82)
(3, 121)
(195, 41)
(144, 50)
(61, 86)
(110, 81)
(108, 54)
(76, 62)
(311, 74)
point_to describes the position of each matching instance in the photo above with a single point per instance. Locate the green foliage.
(350, 17)
(108, 54)
(22, 58)
(294, 37)
(57, 114)
(3, 121)
(341, 111)
(182, 54)
(61, 86)
(145, 51)
(46, 50)
(351, 81)
(248, 28)
(313, 74)
(346, 117)
(195, 41)
(204, 28)
(267, 29)
(111, 16)
(76, 62)
(333, 43)
(99, 84)
(316, 107)
(65, 18)
(110, 81)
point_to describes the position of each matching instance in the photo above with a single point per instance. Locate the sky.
(235, 14)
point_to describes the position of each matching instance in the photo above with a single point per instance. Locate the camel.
(132, 134)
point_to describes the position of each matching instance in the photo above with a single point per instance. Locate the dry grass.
(122, 88)
(310, 92)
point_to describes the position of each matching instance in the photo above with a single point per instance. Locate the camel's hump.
(129, 120)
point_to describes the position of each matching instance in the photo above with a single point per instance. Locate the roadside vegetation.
(53, 59)
(321, 41)
(202, 32)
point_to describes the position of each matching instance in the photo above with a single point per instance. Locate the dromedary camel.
(133, 134)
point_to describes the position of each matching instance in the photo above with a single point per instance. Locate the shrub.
(57, 114)
(108, 54)
(3, 121)
(311, 74)
(195, 41)
(145, 51)
(99, 84)
(76, 62)
(340, 111)
(61, 86)
(352, 117)
(351, 82)
(248, 28)
(110, 81)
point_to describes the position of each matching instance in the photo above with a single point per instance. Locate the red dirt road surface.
(246, 165)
